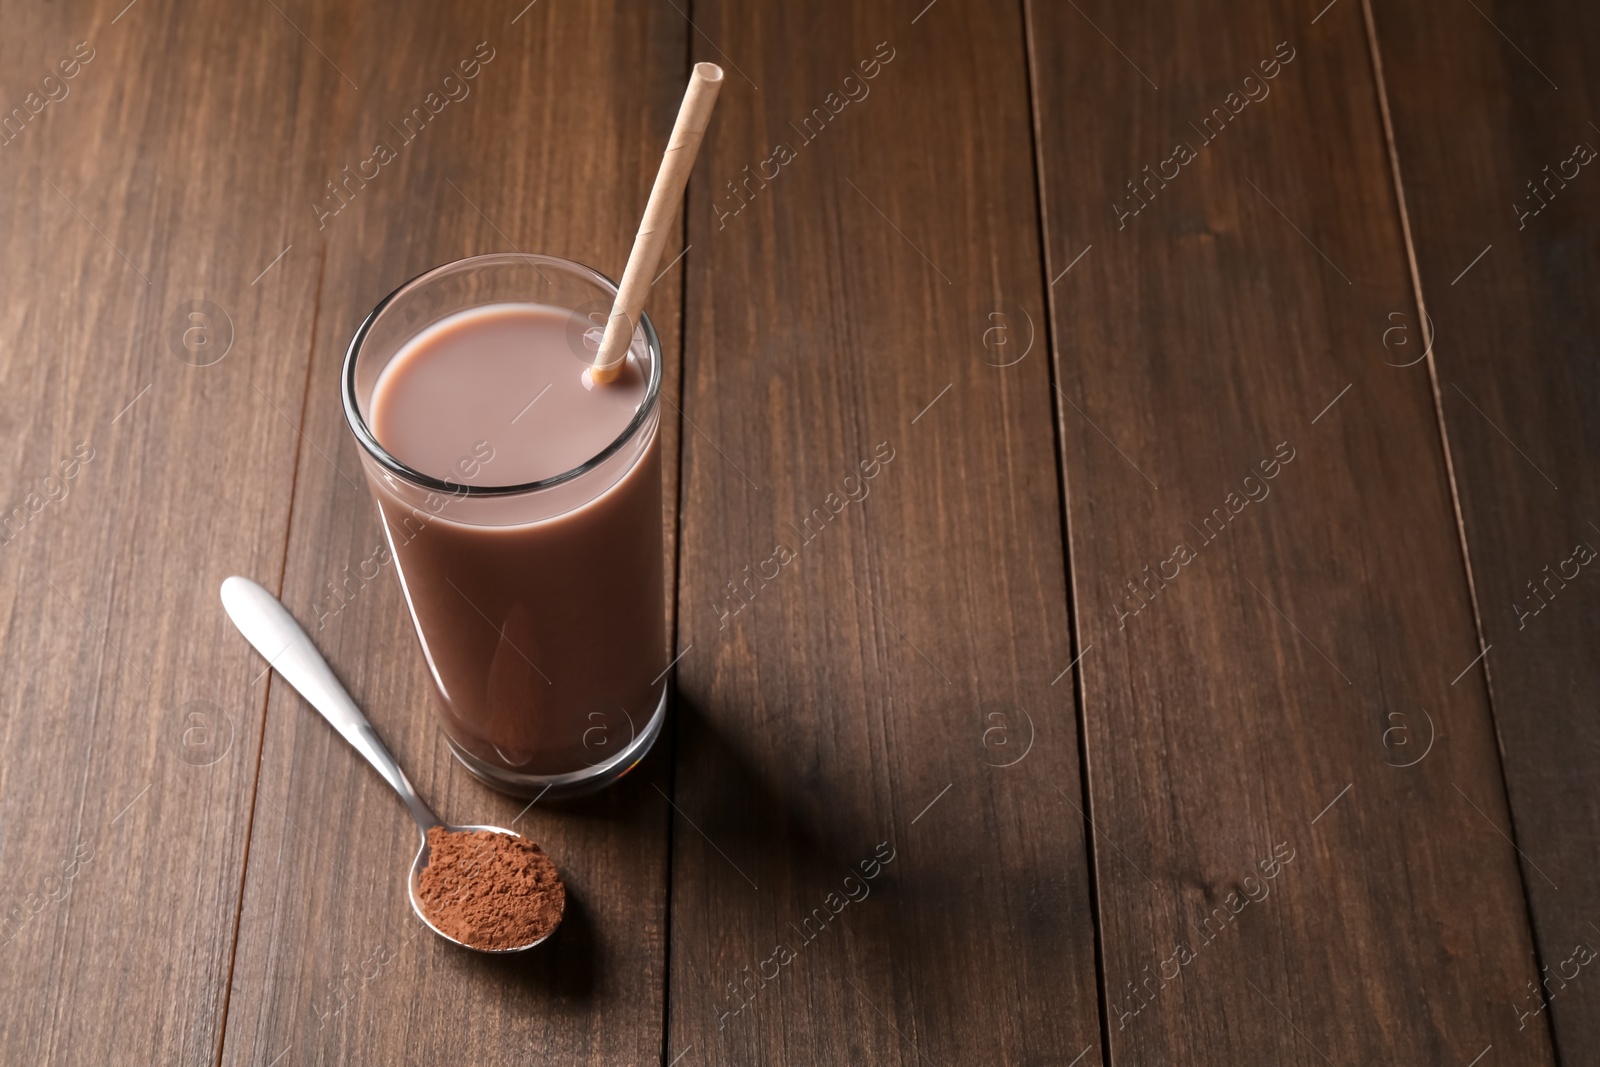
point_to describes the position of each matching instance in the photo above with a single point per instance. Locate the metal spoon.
(268, 626)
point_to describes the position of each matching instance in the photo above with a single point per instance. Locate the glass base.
(574, 783)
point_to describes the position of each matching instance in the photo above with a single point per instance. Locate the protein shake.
(522, 505)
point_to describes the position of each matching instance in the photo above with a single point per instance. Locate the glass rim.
(369, 441)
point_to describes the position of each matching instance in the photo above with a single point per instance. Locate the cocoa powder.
(489, 890)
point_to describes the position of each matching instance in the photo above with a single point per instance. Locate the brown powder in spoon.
(489, 890)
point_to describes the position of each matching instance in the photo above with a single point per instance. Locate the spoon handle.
(268, 626)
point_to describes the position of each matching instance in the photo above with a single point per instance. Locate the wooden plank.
(1240, 695)
(134, 480)
(872, 579)
(552, 150)
(1478, 115)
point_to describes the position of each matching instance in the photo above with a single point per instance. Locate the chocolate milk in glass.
(539, 611)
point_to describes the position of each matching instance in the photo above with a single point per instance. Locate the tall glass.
(538, 607)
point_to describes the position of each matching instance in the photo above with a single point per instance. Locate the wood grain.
(871, 644)
(552, 151)
(1241, 701)
(129, 721)
(1514, 352)
(957, 369)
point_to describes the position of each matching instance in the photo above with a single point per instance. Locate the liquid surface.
(508, 375)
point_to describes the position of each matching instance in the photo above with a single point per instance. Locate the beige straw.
(665, 195)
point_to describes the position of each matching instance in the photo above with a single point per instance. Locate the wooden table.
(1207, 675)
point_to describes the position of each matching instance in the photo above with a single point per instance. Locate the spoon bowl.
(414, 883)
(268, 626)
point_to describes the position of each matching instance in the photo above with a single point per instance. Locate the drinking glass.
(538, 607)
